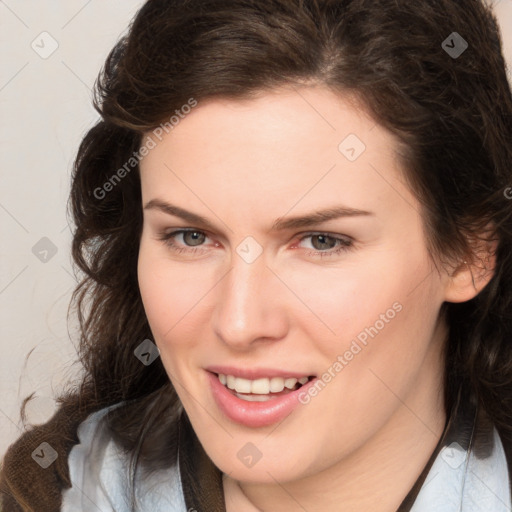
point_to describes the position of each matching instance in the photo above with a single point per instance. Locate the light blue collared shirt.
(458, 481)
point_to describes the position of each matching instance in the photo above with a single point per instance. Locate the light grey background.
(45, 109)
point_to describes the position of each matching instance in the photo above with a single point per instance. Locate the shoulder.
(72, 464)
(487, 485)
(101, 475)
(34, 469)
(473, 478)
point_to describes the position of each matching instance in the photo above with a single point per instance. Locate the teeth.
(230, 381)
(290, 383)
(242, 385)
(262, 386)
(276, 384)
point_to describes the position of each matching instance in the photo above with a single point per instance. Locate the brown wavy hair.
(452, 116)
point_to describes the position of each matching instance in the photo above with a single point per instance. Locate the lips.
(256, 409)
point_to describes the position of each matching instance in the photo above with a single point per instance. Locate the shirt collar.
(470, 472)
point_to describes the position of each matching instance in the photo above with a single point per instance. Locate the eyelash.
(344, 244)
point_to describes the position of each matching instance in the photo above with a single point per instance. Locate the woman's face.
(304, 256)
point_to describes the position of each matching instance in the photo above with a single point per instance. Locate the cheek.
(169, 291)
(342, 300)
(169, 297)
(383, 341)
(374, 309)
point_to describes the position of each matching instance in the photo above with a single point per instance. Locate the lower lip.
(255, 414)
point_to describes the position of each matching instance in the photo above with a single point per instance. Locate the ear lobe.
(470, 278)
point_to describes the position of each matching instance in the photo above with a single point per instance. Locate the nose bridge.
(241, 297)
(245, 309)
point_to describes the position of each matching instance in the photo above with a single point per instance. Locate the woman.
(294, 225)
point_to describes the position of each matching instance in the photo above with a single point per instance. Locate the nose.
(250, 305)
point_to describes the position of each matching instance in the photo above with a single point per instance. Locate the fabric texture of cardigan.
(467, 472)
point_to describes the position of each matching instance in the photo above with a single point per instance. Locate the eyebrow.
(280, 224)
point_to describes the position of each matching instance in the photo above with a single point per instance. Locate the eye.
(184, 240)
(325, 244)
(193, 238)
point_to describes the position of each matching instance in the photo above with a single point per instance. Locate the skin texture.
(363, 440)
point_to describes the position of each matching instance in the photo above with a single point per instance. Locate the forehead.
(304, 145)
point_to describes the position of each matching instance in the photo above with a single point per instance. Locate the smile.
(257, 402)
(260, 390)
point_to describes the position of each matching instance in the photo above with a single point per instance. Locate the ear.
(469, 278)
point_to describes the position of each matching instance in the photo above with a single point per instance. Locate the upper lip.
(256, 373)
